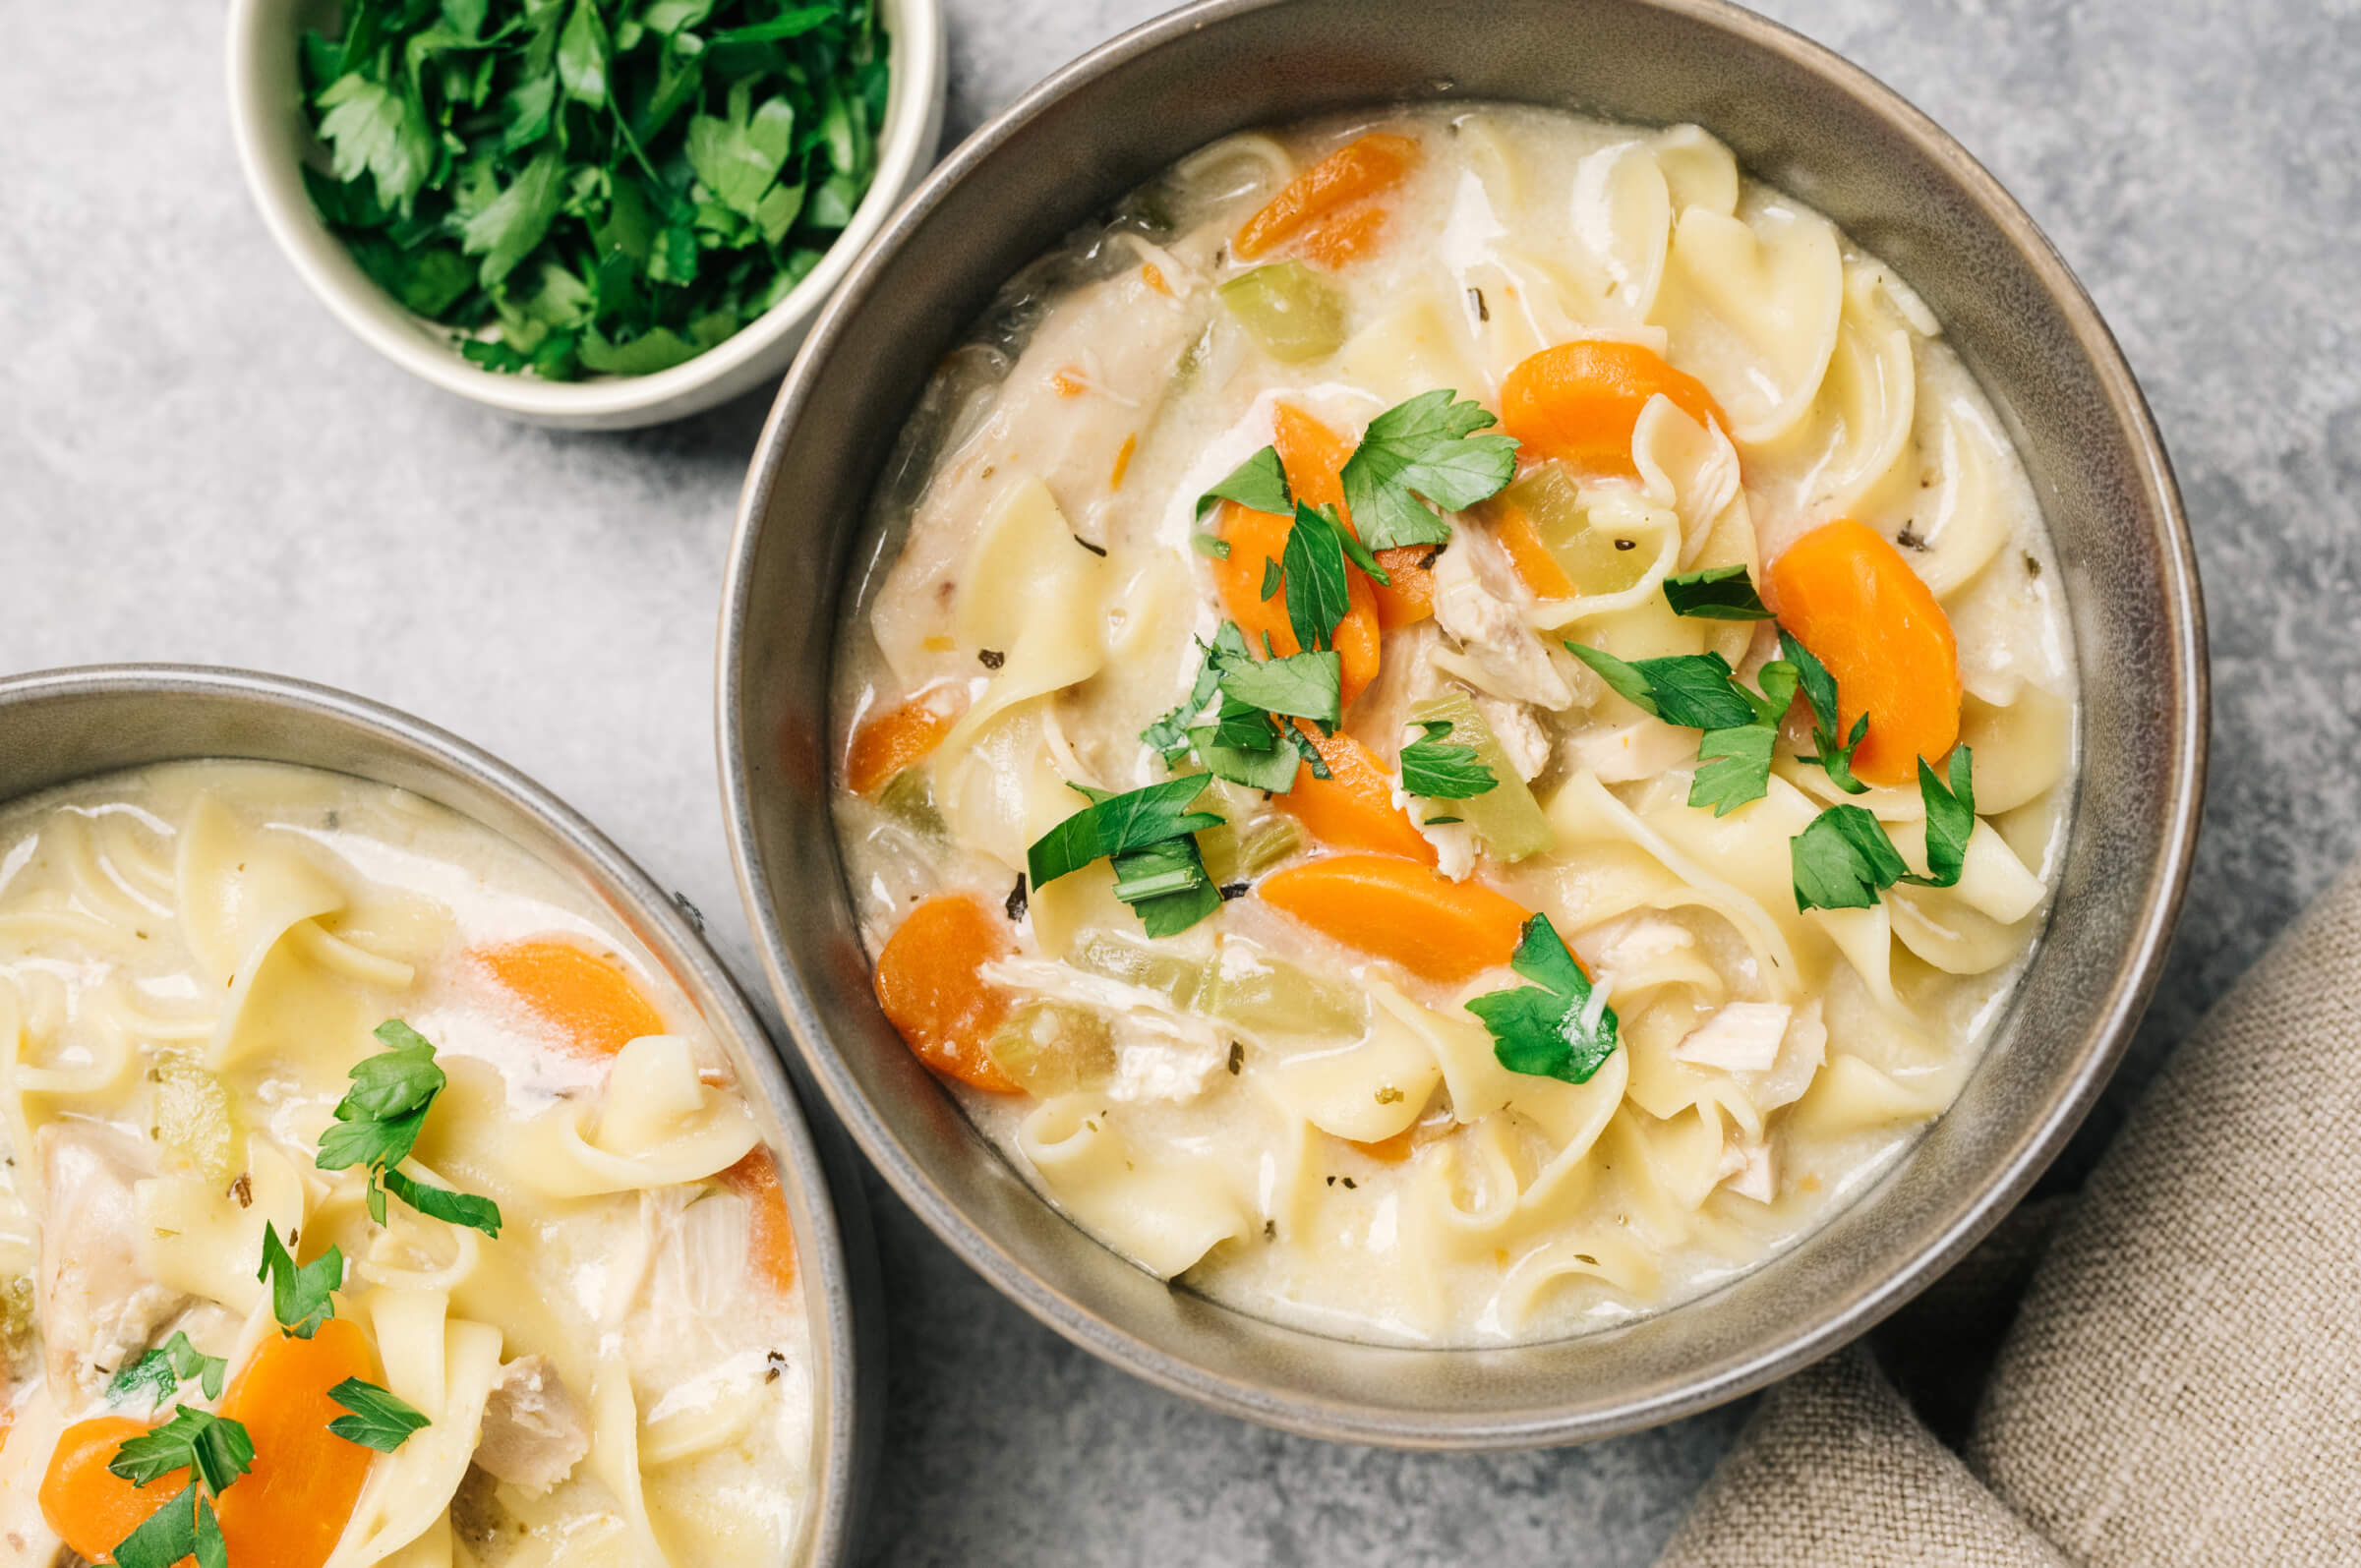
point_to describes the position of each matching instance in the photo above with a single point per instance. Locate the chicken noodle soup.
(1458, 725)
(371, 1185)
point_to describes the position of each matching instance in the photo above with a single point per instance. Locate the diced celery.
(1266, 844)
(17, 1328)
(1597, 559)
(908, 798)
(1220, 847)
(193, 1118)
(1506, 817)
(1289, 310)
(1268, 996)
(1137, 963)
(1050, 1048)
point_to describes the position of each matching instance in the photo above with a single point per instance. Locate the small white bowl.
(273, 142)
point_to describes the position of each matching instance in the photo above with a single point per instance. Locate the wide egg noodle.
(444, 1368)
(1752, 305)
(1163, 1209)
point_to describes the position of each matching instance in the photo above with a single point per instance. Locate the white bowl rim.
(906, 139)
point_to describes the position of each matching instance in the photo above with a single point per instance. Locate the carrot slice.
(1314, 456)
(1580, 401)
(1540, 570)
(1343, 238)
(885, 744)
(929, 985)
(771, 1243)
(290, 1508)
(1398, 910)
(588, 999)
(1353, 808)
(1410, 596)
(1325, 194)
(89, 1506)
(1848, 594)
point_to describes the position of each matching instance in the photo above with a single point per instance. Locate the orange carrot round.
(1847, 593)
(1325, 196)
(89, 1506)
(884, 744)
(1353, 808)
(1578, 401)
(290, 1508)
(1314, 456)
(1398, 910)
(588, 999)
(771, 1243)
(929, 985)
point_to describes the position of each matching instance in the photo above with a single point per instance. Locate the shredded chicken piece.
(95, 1308)
(1455, 841)
(1479, 603)
(533, 1434)
(1803, 1048)
(1743, 1037)
(1093, 375)
(1519, 733)
(1748, 1172)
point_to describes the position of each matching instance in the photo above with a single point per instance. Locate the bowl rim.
(906, 139)
(834, 1247)
(1790, 1349)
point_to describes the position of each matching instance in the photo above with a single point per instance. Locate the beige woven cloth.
(2182, 1384)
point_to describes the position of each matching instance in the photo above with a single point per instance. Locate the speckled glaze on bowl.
(58, 726)
(273, 142)
(1798, 117)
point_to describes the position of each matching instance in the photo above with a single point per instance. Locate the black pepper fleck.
(1349, 1181)
(1233, 889)
(776, 1363)
(1016, 900)
(1627, 544)
(243, 1189)
(1095, 550)
(1483, 310)
(992, 658)
(1238, 1058)
(1909, 538)
(2032, 567)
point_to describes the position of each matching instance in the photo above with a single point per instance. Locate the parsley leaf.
(1308, 752)
(1719, 593)
(1319, 593)
(1211, 546)
(213, 1449)
(1116, 824)
(1260, 484)
(163, 1369)
(1555, 1027)
(1835, 756)
(1950, 819)
(1305, 685)
(1426, 446)
(182, 1528)
(1168, 885)
(1242, 746)
(1170, 733)
(371, 129)
(1734, 768)
(299, 1296)
(378, 1420)
(1440, 772)
(378, 1122)
(1699, 691)
(1843, 860)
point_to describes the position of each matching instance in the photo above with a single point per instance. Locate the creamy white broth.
(191, 959)
(1361, 1164)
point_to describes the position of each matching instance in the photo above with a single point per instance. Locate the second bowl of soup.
(1455, 725)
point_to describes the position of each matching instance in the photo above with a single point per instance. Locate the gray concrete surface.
(197, 463)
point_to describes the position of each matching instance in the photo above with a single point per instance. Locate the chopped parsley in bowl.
(581, 186)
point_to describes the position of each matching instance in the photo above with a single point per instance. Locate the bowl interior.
(275, 142)
(1798, 117)
(69, 725)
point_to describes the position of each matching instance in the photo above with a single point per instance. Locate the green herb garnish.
(1260, 484)
(1835, 756)
(1438, 771)
(1550, 1028)
(377, 1122)
(1305, 685)
(161, 1372)
(1148, 837)
(1424, 447)
(1698, 690)
(216, 1451)
(605, 186)
(299, 1295)
(1843, 859)
(1718, 592)
(379, 1420)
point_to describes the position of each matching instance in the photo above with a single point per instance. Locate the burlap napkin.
(2182, 1384)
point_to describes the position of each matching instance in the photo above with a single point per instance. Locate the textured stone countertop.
(196, 463)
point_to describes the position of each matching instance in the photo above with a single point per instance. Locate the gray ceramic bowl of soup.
(1799, 118)
(65, 726)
